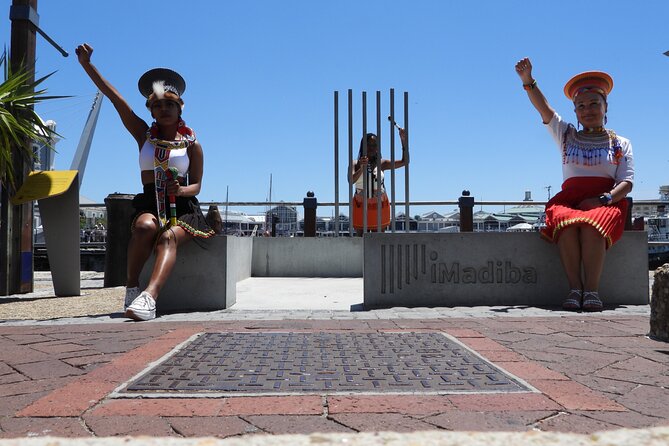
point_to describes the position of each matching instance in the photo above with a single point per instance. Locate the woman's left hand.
(589, 203)
(403, 136)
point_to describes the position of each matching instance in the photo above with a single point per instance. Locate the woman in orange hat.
(374, 165)
(588, 215)
(166, 145)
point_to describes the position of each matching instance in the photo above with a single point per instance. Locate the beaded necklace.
(161, 158)
(590, 157)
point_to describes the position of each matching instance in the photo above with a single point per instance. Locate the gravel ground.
(42, 304)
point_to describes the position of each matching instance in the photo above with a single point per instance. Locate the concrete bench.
(469, 269)
(204, 279)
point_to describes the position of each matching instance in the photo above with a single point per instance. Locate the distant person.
(373, 165)
(588, 215)
(167, 142)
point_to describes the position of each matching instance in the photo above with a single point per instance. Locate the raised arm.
(386, 164)
(524, 70)
(133, 123)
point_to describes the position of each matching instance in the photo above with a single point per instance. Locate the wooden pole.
(16, 234)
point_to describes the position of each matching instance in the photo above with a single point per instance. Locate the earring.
(606, 119)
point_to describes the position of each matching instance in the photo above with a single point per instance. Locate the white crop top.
(178, 158)
(371, 182)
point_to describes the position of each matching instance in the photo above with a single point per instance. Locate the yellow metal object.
(44, 184)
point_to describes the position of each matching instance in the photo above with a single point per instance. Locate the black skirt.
(189, 214)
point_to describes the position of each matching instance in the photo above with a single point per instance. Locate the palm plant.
(18, 121)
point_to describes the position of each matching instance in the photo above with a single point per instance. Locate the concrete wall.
(468, 269)
(204, 278)
(307, 257)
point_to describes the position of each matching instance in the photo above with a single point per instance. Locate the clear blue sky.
(261, 75)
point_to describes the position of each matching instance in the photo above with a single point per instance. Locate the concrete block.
(470, 269)
(204, 279)
(307, 257)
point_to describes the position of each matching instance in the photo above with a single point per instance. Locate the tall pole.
(336, 162)
(16, 234)
(407, 217)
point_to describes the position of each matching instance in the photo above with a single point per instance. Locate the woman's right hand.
(84, 53)
(524, 70)
(363, 161)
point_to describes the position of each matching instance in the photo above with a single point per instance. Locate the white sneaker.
(143, 308)
(130, 295)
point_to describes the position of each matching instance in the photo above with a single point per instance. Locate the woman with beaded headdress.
(171, 165)
(588, 215)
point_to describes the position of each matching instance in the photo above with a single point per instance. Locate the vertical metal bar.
(406, 168)
(351, 186)
(392, 159)
(365, 186)
(379, 158)
(336, 162)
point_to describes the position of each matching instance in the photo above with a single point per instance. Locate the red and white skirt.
(562, 212)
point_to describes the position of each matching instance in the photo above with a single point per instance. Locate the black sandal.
(573, 301)
(591, 301)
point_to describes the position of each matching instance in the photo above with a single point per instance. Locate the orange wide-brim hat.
(597, 81)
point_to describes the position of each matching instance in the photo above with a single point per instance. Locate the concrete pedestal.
(469, 269)
(204, 279)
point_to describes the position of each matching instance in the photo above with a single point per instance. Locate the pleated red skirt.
(561, 211)
(372, 215)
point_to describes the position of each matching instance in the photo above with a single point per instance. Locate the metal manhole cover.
(298, 363)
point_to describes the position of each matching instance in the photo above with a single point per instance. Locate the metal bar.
(365, 186)
(351, 185)
(336, 162)
(379, 159)
(392, 159)
(407, 217)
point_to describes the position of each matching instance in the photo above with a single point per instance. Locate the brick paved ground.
(594, 372)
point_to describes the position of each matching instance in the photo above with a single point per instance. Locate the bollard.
(629, 225)
(310, 204)
(119, 220)
(466, 204)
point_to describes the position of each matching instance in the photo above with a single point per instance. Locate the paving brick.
(611, 387)
(575, 396)
(497, 356)
(402, 404)
(42, 427)
(378, 422)
(178, 407)
(5, 369)
(530, 370)
(27, 338)
(12, 378)
(295, 424)
(482, 345)
(271, 405)
(462, 333)
(129, 425)
(88, 361)
(488, 421)
(579, 424)
(648, 400)
(56, 347)
(48, 369)
(18, 354)
(504, 402)
(630, 420)
(35, 386)
(220, 427)
(9, 405)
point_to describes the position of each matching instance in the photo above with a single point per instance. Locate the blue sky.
(261, 75)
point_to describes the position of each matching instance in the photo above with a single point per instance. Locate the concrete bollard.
(119, 219)
(310, 204)
(466, 204)
(659, 305)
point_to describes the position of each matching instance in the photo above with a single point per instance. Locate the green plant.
(18, 121)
